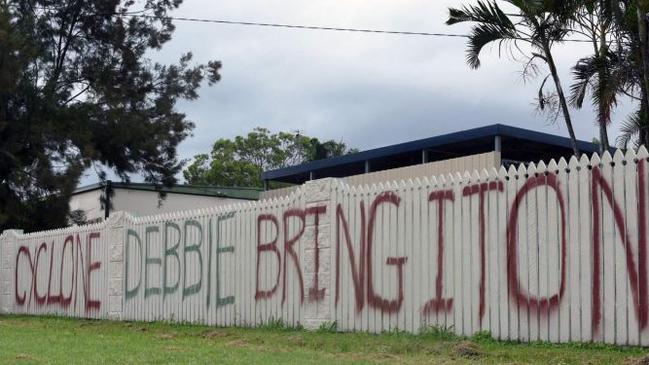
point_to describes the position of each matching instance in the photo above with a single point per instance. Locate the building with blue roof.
(512, 144)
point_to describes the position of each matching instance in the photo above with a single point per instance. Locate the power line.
(310, 27)
(315, 27)
(300, 26)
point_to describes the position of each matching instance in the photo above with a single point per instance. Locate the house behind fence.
(554, 252)
(466, 150)
(97, 201)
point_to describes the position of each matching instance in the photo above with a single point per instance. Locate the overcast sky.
(368, 90)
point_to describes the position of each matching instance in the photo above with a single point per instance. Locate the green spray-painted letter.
(148, 260)
(173, 251)
(196, 247)
(130, 293)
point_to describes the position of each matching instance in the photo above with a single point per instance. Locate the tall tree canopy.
(240, 162)
(77, 91)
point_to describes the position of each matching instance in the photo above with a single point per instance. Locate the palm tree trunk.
(643, 128)
(604, 115)
(644, 54)
(562, 99)
(604, 144)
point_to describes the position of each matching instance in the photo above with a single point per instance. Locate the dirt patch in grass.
(468, 350)
(214, 334)
(167, 336)
(640, 361)
(136, 326)
(433, 349)
(387, 357)
(296, 341)
(173, 349)
(238, 343)
(86, 323)
(23, 357)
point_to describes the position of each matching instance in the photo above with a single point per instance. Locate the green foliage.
(279, 325)
(77, 217)
(240, 162)
(627, 73)
(274, 325)
(439, 333)
(632, 130)
(493, 25)
(483, 336)
(328, 327)
(77, 91)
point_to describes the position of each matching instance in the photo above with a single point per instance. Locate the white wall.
(88, 202)
(460, 165)
(140, 202)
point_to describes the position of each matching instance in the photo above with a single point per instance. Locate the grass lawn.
(25, 340)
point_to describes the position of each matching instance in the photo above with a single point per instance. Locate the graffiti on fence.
(74, 258)
(315, 293)
(362, 270)
(184, 246)
(427, 250)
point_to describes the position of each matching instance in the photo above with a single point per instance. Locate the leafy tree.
(77, 217)
(241, 161)
(77, 91)
(538, 24)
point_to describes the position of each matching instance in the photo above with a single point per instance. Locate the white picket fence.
(553, 252)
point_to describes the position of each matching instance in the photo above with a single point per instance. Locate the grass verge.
(25, 340)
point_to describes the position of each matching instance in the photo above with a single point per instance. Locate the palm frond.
(606, 76)
(493, 25)
(582, 73)
(482, 35)
(529, 7)
(486, 12)
(607, 87)
(630, 130)
(542, 98)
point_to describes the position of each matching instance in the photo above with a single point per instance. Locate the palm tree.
(540, 24)
(593, 73)
(607, 75)
(624, 69)
(611, 70)
(643, 45)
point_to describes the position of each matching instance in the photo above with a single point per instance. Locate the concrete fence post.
(318, 252)
(115, 225)
(7, 243)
